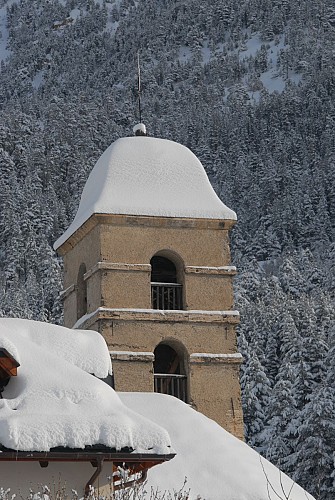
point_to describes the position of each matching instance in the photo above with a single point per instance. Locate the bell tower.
(147, 264)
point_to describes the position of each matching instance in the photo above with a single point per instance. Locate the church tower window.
(169, 372)
(166, 292)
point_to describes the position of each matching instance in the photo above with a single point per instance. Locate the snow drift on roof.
(83, 348)
(53, 401)
(148, 176)
(216, 464)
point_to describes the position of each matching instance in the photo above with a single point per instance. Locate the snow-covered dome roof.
(148, 176)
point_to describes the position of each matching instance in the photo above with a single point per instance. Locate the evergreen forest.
(249, 87)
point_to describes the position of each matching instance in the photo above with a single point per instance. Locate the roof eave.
(69, 455)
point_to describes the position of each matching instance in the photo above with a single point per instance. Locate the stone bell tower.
(147, 264)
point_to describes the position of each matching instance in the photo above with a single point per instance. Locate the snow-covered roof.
(216, 464)
(55, 401)
(148, 176)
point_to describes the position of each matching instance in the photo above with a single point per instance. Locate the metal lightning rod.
(139, 85)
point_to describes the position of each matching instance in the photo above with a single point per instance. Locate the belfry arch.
(166, 282)
(170, 376)
(81, 292)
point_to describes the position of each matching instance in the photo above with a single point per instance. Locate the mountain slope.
(249, 87)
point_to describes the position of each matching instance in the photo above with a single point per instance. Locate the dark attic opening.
(8, 368)
(166, 292)
(169, 372)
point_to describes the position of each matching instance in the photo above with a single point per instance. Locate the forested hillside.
(249, 86)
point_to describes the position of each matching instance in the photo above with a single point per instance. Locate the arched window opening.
(169, 373)
(166, 292)
(81, 292)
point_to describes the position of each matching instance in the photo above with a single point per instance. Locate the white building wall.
(21, 477)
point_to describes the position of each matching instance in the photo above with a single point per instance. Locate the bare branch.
(268, 480)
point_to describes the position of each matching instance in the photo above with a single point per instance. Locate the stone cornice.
(212, 358)
(221, 271)
(142, 357)
(120, 266)
(65, 293)
(144, 221)
(196, 358)
(77, 236)
(103, 313)
(117, 266)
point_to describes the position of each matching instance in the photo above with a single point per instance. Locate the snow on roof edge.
(55, 400)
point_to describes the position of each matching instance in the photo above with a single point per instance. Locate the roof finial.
(140, 129)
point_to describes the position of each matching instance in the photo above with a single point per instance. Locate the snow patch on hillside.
(112, 24)
(185, 54)
(252, 46)
(206, 53)
(272, 79)
(37, 81)
(75, 13)
(4, 52)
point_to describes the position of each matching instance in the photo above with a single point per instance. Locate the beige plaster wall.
(145, 335)
(86, 251)
(70, 309)
(215, 392)
(94, 292)
(214, 388)
(208, 292)
(132, 289)
(116, 240)
(133, 376)
(137, 244)
(132, 240)
(125, 289)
